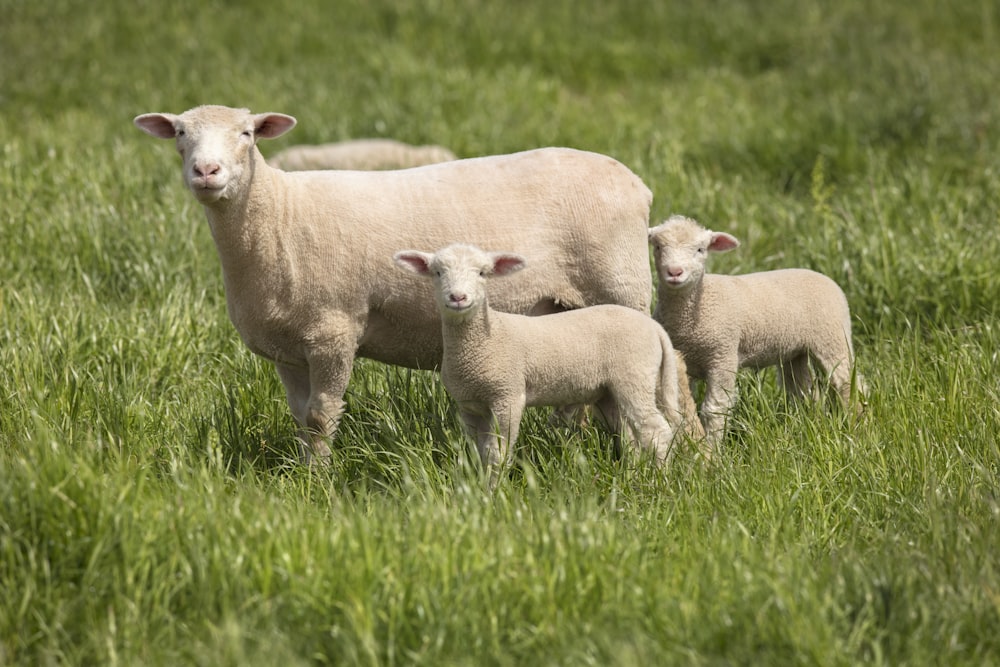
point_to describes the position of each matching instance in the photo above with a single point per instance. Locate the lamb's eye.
(701, 251)
(247, 133)
(482, 274)
(181, 133)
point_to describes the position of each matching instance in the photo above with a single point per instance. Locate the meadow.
(151, 510)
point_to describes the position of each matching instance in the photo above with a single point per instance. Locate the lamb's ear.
(413, 260)
(159, 125)
(722, 242)
(505, 263)
(271, 125)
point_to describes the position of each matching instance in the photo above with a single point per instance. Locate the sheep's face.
(680, 250)
(216, 144)
(459, 273)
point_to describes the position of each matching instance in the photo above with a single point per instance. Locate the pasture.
(151, 511)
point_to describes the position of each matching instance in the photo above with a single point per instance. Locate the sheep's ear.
(413, 260)
(271, 125)
(159, 125)
(722, 242)
(504, 263)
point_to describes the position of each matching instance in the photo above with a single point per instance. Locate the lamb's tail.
(674, 396)
(667, 399)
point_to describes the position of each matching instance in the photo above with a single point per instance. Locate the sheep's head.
(216, 144)
(680, 250)
(459, 273)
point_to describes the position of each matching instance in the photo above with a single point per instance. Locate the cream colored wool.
(307, 256)
(363, 154)
(721, 323)
(496, 364)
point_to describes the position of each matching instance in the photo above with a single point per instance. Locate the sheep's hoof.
(315, 454)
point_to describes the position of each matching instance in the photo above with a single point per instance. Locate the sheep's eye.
(181, 133)
(482, 273)
(438, 273)
(247, 133)
(701, 251)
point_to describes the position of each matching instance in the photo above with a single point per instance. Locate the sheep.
(363, 154)
(721, 323)
(495, 364)
(306, 257)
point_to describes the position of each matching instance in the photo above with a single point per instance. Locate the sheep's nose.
(674, 271)
(457, 297)
(207, 169)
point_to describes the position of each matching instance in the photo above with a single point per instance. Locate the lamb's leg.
(610, 416)
(653, 432)
(491, 431)
(795, 377)
(837, 368)
(720, 397)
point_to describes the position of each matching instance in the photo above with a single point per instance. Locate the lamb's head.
(680, 249)
(217, 145)
(459, 273)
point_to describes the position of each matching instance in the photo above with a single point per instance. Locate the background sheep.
(496, 364)
(721, 323)
(307, 256)
(364, 154)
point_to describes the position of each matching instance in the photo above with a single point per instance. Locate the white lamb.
(496, 364)
(363, 154)
(721, 323)
(307, 256)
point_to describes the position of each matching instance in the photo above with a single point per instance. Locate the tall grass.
(151, 511)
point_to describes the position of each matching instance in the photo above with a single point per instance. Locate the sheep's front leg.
(478, 423)
(492, 430)
(720, 397)
(316, 397)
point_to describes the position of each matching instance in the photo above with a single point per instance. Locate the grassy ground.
(151, 515)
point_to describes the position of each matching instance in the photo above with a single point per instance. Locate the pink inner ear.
(414, 262)
(722, 242)
(156, 124)
(504, 264)
(271, 125)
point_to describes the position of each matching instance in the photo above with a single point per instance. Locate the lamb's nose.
(207, 169)
(674, 271)
(457, 298)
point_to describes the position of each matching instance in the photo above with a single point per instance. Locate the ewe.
(307, 256)
(364, 154)
(496, 364)
(721, 323)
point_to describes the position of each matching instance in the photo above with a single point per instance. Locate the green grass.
(151, 509)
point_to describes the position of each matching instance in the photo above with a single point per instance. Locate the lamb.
(307, 256)
(364, 154)
(721, 323)
(496, 364)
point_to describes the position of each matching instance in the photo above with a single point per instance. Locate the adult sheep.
(307, 256)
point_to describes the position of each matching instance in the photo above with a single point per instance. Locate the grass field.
(150, 511)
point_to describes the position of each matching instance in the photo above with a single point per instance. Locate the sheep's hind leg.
(653, 432)
(795, 377)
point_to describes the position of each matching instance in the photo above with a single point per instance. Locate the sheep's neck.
(246, 227)
(679, 306)
(465, 335)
